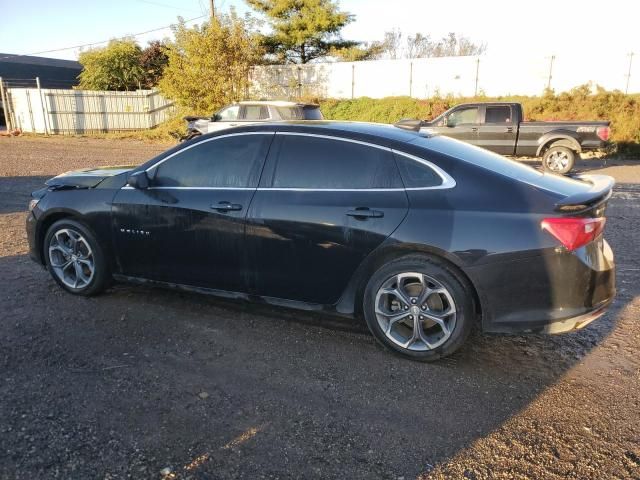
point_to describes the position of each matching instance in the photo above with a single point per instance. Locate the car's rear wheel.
(75, 259)
(419, 307)
(558, 159)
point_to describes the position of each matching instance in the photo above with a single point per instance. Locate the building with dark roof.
(21, 71)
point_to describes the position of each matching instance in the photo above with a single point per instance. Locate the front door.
(323, 205)
(461, 124)
(188, 226)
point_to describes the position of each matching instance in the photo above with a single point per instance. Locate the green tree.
(357, 53)
(114, 67)
(209, 66)
(153, 59)
(303, 30)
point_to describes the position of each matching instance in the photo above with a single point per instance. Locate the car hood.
(87, 177)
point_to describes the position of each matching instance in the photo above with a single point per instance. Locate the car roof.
(356, 130)
(277, 103)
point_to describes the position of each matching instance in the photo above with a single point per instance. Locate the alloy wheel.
(71, 258)
(415, 311)
(558, 161)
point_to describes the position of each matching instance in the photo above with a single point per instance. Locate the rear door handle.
(509, 130)
(474, 129)
(226, 207)
(362, 213)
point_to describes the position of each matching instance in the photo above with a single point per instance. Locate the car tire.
(443, 312)
(75, 258)
(558, 159)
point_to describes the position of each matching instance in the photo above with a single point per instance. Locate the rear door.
(497, 131)
(323, 205)
(188, 227)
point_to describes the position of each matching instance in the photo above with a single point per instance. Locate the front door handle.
(362, 213)
(474, 129)
(509, 130)
(226, 207)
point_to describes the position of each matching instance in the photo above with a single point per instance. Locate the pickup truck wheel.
(558, 159)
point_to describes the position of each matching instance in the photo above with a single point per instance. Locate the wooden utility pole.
(213, 8)
(626, 90)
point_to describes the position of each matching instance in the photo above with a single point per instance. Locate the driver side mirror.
(215, 117)
(448, 123)
(138, 180)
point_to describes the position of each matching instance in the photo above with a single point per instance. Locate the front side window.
(230, 162)
(322, 163)
(229, 114)
(462, 116)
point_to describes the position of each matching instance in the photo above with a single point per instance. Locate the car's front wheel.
(75, 259)
(419, 307)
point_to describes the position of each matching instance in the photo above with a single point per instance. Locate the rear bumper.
(576, 323)
(555, 292)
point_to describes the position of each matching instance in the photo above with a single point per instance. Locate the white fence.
(84, 111)
(457, 76)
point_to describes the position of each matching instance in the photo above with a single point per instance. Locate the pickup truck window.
(498, 114)
(462, 116)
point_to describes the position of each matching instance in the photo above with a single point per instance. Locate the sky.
(544, 27)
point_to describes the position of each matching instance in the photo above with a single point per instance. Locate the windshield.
(502, 165)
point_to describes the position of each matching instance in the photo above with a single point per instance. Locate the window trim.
(212, 139)
(447, 180)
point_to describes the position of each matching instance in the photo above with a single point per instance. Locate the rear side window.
(416, 174)
(498, 114)
(224, 162)
(321, 163)
(290, 113)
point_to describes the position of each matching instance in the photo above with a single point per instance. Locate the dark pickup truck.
(499, 127)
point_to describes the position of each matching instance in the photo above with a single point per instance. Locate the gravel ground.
(148, 383)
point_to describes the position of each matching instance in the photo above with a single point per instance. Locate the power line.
(101, 42)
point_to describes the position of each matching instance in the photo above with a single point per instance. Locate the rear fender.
(351, 300)
(559, 138)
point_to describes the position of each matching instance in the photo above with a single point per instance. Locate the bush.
(578, 104)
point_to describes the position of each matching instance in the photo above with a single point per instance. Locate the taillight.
(603, 133)
(574, 232)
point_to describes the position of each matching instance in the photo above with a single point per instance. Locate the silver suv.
(247, 112)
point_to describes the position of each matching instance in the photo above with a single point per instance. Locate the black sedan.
(422, 236)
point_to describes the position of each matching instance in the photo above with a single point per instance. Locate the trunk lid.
(596, 191)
